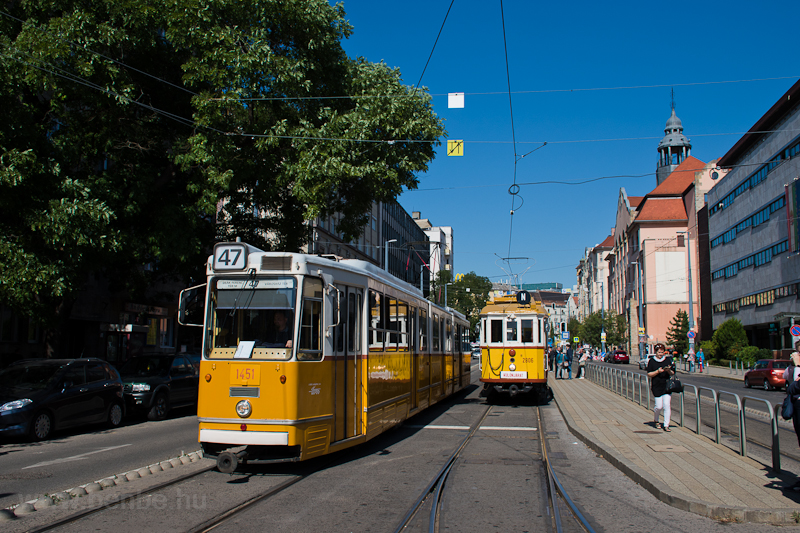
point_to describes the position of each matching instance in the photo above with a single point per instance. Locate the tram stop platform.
(682, 469)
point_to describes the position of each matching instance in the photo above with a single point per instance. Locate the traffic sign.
(565, 335)
(603, 336)
(641, 331)
(576, 340)
(691, 334)
(795, 330)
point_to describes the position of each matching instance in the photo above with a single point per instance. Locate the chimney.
(415, 215)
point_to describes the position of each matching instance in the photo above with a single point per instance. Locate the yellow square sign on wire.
(455, 147)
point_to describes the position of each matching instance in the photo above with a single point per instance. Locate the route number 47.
(230, 257)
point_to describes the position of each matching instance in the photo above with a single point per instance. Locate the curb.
(49, 501)
(672, 498)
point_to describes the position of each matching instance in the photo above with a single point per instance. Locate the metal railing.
(624, 383)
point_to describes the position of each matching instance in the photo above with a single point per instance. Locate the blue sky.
(572, 67)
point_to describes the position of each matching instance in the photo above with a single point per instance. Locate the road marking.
(75, 457)
(506, 428)
(497, 428)
(437, 427)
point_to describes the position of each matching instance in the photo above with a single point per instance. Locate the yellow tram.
(306, 355)
(513, 345)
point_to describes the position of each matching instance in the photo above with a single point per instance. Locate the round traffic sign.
(795, 330)
(691, 334)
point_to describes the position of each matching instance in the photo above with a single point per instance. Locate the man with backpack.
(568, 361)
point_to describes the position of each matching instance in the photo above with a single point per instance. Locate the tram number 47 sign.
(230, 256)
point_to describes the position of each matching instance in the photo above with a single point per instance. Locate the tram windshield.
(261, 311)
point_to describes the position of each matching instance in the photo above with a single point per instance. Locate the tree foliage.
(677, 334)
(132, 125)
(729, 338)
(468, 295)
(614, 325)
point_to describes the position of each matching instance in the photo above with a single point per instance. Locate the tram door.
(347, 351)
(413, 355)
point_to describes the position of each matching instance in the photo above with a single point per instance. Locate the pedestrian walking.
(568, 361)
(793, 389)
(659, 369)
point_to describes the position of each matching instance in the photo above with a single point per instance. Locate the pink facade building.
(655, 247)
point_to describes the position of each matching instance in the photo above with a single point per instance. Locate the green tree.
(133, 127)
(677, 334)
(617, 328)
(467, 295)
(729, 338)
(575, 328)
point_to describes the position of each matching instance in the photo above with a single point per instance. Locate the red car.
(618, 356)
(768, 373)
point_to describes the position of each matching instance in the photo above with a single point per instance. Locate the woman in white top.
(792, 372)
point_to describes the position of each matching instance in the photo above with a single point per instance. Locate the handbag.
(674, 385)
(787, 409)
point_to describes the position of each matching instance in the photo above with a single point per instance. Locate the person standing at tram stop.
(659, 369)
(582, 364)
(551, 359)
(559, 363)
(701, 359)
(568, 361)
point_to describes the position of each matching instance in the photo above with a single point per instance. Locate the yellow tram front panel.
(288, 399)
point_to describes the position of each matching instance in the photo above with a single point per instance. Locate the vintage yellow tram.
(513, 346)
(306, 355)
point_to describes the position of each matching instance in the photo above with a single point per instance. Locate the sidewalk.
(685, 470)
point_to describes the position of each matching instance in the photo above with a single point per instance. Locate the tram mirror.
(191, 305)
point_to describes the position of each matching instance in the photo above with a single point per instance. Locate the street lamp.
(602, 317)
(641, 308)
(691, 302)
(386, 254)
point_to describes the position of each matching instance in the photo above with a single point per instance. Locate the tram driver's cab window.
(511, 331)
(257, 311)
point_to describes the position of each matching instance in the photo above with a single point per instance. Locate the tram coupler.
(228, 461)
(513, 390)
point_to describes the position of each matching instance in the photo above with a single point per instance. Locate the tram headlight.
(512, 367)
(243, 409)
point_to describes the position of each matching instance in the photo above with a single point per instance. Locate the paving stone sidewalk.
(681, 468)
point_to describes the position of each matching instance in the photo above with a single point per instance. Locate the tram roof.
(508, 304)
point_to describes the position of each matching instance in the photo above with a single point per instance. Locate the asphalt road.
(495, 484)
(82, 455)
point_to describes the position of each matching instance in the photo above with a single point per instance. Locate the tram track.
(556, 493)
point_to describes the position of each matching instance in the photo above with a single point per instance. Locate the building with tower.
(673, 149)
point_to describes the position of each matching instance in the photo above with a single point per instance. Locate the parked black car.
(39, 396)
(156, 383)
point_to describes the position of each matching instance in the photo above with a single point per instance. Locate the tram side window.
(310, 348)
(527, 330)
(402, 326)
(449, 336)
(541, 335)
(375, 321)
(392, 324)
(511, 331)
(423, 330)
(436, 333)
(353, 323)
(497, 330)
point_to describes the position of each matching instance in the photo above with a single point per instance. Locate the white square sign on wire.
(455, 100)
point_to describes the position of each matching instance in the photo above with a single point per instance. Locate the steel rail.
(438, 481)
(554, 483)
